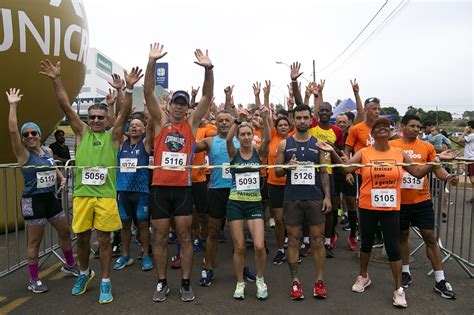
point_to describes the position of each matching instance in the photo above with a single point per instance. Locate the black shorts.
(168, 201)
(264, 188)
(342, 186)
(470, 169)
(276, 194)
(303, 212)
(217, 202)
(420, 215)
(199, 191)
(39, 208)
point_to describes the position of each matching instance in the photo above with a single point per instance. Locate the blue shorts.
(133, 206)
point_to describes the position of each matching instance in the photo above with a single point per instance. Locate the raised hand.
(256, 88)
(355, 86)
(111, 97)
(50, 70)
(243, 114)
(310, 88)
(264, 112)
(194, 92)
(267, 87)
(320, 86)
(14, 97)
(117, 82)
(156, 51)
(228, 90)
(202, 60)
(133, 77)
(449, 155)
(295, 71)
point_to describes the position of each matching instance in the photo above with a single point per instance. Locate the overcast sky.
(413, 53)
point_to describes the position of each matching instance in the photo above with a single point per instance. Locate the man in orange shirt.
(416, 206)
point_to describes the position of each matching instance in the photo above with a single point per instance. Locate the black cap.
(180, 95)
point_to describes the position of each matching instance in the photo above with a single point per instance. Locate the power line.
(394, 12)
(358, 35)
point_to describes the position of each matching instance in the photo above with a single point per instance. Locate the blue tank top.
(133, 180)
(218, 156)
(39, 180)
(304, 152)
(245, 181)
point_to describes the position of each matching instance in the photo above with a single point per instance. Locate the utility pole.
(314, 70)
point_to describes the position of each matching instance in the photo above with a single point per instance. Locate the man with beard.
(59, 148)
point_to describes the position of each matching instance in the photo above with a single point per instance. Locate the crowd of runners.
(115, 191)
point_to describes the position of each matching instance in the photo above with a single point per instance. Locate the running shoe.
(172, 238)
(399, 299)
(352, 242)
(147, 263)
(304, 249)
(221, 238)
(329, 253)
(279, 258)
(97, 253)
(262, 290)
(361, 283)
(239, 293)
(406, 279)
(80, 286)
(206, 278)
(285, 243)
(123, 262)
(347, 227)
(36, 286)
(116, 252)
(74, 270)
(161, 292)
(249, 240)
(445, 289)
(343, 219)
(333, 240)
(296, 292)
(105, 293)
(444, 217)
(319, 290)
(198, 245)
(377, 243)
(175, 262)
(187, 294)
(271, 223)
(249, 274)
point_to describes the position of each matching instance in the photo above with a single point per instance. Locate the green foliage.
(390, 111)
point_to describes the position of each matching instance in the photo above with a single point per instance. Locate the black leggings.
(390, 223)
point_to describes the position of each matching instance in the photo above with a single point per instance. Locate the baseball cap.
(371, 100)
(183, 95)
(381, 121)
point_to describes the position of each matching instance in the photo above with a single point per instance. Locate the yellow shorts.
(99, 213)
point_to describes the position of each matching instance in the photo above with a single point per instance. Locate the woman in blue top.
(39, 204)
(245, 199)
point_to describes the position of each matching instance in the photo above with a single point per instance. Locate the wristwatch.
(237, 121)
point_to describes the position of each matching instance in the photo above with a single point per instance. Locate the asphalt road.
(133, 288)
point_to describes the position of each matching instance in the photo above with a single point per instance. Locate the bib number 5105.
(384, 198)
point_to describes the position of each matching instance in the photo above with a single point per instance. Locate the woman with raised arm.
(39, 203)
(245, 200)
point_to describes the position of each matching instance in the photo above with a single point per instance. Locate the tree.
(468, 114)
(437, 116)
(390, 111)
(411, 110)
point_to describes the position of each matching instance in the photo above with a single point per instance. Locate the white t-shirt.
(469, 146)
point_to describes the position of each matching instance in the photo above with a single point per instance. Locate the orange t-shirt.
(272, 156)
(359, 136)
(380, 188)
(415, 190)
(198, 175)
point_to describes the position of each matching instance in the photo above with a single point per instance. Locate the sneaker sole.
(36, 291)
(147, 268)
(240, 298)
(202, 284)
(106, 302)
(277, 263)
(86, 284)
(262, 297)
(363, 289)
(297, 298)
(124, 265)
(162, 300)
(444, 295)
(70, 272)
(322, 297)
(400, 305)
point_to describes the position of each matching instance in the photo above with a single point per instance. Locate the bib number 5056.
(94, 176)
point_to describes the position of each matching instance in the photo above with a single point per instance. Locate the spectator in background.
(437, 139)
(59, 148)
(467, 138)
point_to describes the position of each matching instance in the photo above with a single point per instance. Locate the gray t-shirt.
(469, 146)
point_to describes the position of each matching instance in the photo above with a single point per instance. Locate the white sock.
(281, 250)
(406, 268)
(105, 279)
(306, 239)
(439, 275)
(327, 241)
(259, 278)
(400, 290)
(86, 272)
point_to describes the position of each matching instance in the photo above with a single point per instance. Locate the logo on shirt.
(369, 142)
(412, 155)
(175, 141)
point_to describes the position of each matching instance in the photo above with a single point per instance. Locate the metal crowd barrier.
(454, 218)
(14, 239)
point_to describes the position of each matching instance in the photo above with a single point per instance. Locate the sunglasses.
(28, 133)
(94, 117)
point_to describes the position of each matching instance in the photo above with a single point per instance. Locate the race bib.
(151, 160)
(247, 181)
(45, 179)
(411, 182)
(303, 176)
(127, 165)
(94, 176)
(384, 198)
(226, 174)
(174, 159)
